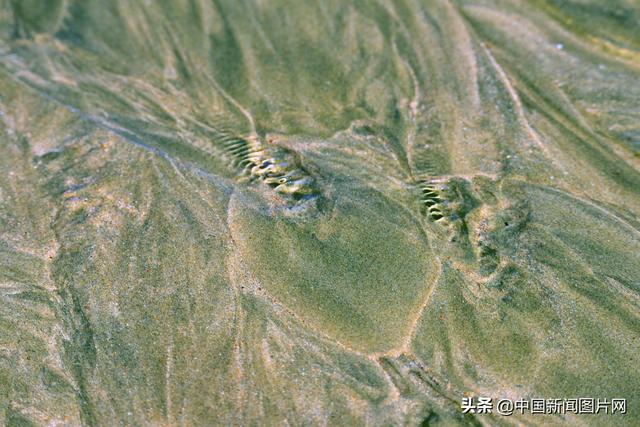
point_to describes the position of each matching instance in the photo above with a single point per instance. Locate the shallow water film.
(324, 212)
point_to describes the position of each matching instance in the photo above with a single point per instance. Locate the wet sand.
(317, 213)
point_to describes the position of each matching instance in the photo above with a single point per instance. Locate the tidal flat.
(332, 212)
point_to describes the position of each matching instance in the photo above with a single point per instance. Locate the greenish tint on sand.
(246, 212)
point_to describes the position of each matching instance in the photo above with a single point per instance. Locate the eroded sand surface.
(317, 212)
